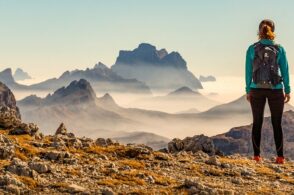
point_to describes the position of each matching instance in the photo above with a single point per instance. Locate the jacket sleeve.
(283, 62)
(248, 68)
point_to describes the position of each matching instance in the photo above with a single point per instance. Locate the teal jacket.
(282, 61)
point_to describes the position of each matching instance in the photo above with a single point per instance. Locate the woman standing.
(267, 74)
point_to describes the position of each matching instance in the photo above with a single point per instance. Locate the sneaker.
(280, 160)
(257, 158)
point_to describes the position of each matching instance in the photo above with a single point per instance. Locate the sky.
(48, 37)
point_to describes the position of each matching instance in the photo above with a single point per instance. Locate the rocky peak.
(77, 92)
(107, 100)
(7, 99)
(146, 46)
(6, 76)
(162, 53)
(148, 54)
(100, 65)
(61, 130)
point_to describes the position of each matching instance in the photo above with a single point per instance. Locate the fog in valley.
(154, 113)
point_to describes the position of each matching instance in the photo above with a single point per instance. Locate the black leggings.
(275, 99)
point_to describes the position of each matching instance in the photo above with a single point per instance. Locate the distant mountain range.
(77, 106)
(102, 78)
(178, 100)
(157, 68)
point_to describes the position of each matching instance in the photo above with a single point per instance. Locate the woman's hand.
(287, 97)
(248, 97)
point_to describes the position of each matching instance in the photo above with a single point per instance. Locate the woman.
(267, 74)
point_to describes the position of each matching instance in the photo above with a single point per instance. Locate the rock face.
(9, 115)
(7, 99)
(6, 76)
(158, 68)
(206, 79)
(102, 78)
(10, 118)
(20, 75)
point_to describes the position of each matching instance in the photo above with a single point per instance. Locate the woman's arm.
(283, 62)
(248, 68)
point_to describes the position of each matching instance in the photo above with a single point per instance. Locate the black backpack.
(265, 72)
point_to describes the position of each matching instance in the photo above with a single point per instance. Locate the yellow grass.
(132, 163)
(31, 183)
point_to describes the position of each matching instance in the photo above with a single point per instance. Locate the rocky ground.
(63, 163)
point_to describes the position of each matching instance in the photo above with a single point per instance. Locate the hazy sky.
(47, 37)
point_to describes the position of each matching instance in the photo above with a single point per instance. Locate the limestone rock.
(194, 144)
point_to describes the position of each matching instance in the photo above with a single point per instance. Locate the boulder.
(193, 144)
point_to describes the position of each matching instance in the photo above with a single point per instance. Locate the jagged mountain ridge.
(157, 68)
(102, 78)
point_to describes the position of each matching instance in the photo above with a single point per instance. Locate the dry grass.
(70, 171)
(31, 183)
(262, 170)
(108, 149)
(59, 185)
(4, 163)
(236, 161)
(132, 163)
(121, 179)
(20, 155)
(215, 172)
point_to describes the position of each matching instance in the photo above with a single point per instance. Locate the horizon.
(67, 35)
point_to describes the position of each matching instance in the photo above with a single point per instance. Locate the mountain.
(183, 98)
(75, 105)
(102, 78)
(20, 75)
(207, 78)
(157, 68)
(184, 91)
